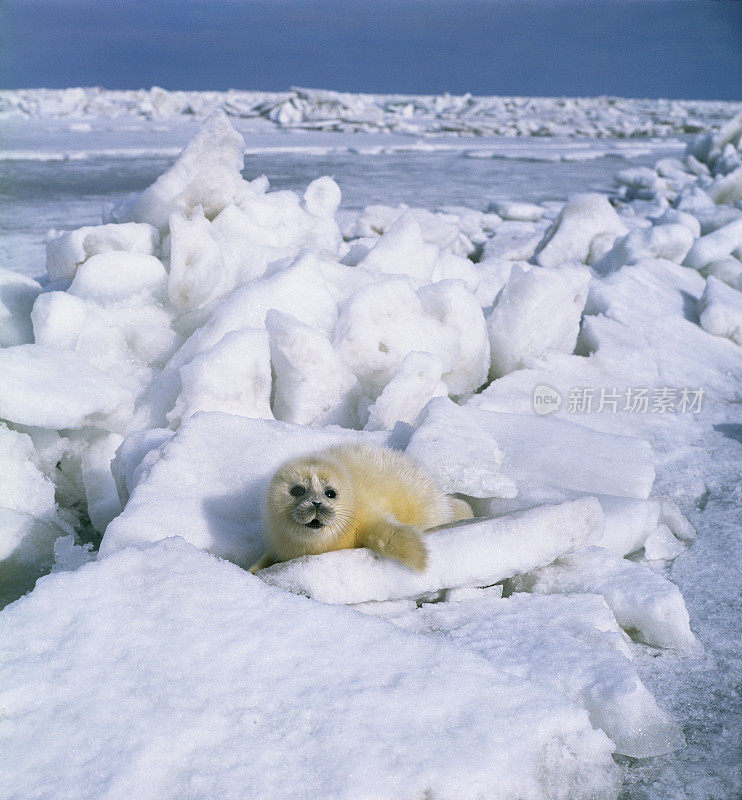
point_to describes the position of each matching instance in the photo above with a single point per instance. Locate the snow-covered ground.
(323, 110)
(552, 327)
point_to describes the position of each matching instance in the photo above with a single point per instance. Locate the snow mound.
(721, 310)
(234, 376)
(287, 710)
(400, 251)
(584, 225)
(715, 245)
(642, 601)
(206, 174)
(728, 270)
(17, 296)
(380, 324)
(458, 452)
(66, 252)
(417, 381)
(671, 241)
(101, 494)
(514, 210)
(312, 385)
(29, 517)
(120, 277)
(654, 527)
(54, 388)
(470, 553)
(536, 311)
(561, 454)
(569, 644)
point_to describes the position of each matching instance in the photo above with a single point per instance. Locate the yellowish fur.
(354, 495)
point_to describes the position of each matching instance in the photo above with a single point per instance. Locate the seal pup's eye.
(297, 491)
(330, 493)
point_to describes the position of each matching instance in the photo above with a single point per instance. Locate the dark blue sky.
(634, 48)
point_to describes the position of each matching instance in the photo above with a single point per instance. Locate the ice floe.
(223, 685)
(720, 309)
(323, 110)
(571, 644)
(641, 600)
(471, 553)
(212, 328)
(17, 296)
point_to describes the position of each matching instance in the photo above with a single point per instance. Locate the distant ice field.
(59, 174)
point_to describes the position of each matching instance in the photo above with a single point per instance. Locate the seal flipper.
(392, 539)
(461, 509)
(266, 560)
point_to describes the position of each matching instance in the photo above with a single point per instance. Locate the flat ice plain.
(551, 323)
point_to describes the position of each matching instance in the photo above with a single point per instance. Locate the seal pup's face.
(312, 496)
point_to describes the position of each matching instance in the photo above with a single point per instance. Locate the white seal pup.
(354, 495)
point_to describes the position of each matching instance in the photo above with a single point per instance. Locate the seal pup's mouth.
(315, 523)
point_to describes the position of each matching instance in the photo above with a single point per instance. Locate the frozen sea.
(55, 176)
(59, 174)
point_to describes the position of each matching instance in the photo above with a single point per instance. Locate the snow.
(672, 216)
(315, 109)
(641, 600)
(631, 524)
(536, 311)
(380, 324)
(727, 269)
(66, 252)
(156, 377)
(312, 385)
(400, 251)
(561, 454)
(569, 644)
(715, 245)
(713, 217)
(134, 458)
(585, 223)
(103, 502)
(233, 376)
(727, 188)
(471, 553)
(206, 174)
(29, 513)
(522, 212)
(462, 455)
(136, 278)
(671, 242)
(197, 274)
(297, 288)
(417, 381)
(224, 686)
(455, 307)
(127, 334)
(17, 296)
(720, 310)
(513, 241)
(322, 197)
(51, 387)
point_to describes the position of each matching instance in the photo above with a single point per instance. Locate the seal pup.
(354, 495)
